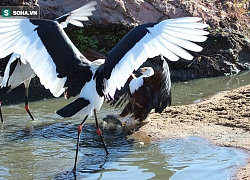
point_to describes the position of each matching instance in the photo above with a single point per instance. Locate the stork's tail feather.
(73, 108)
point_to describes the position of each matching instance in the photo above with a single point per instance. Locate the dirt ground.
(224, 119)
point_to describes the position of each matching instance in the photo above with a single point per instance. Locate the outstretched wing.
(75, 17)
(11, 77)
(48, 50)
(168, 38)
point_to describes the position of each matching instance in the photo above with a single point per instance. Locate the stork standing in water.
(16, 72)
(62, 68)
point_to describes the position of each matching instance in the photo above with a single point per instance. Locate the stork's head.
(147, 71)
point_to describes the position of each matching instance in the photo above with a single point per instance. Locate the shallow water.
(196, 90)
(45, 148)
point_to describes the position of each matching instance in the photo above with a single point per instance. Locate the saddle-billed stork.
(16, 72)
(62, 68)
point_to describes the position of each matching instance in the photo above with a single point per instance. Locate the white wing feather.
(81, 14)
(19, 37)
(28, 45)
(169, 38)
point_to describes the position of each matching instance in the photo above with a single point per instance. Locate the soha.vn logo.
(24, 11)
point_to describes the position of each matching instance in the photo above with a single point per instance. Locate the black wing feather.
(117, 53)
(72, 108)
(64, 56)
(55, 41)
(62, 18)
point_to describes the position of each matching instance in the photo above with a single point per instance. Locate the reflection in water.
(45, 148)
(185, 159)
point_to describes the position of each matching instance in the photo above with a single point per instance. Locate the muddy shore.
(223, 119)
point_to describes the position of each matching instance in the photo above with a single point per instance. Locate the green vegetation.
(84, 42)
(99, 38)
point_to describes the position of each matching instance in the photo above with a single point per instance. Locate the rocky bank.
(226, 51)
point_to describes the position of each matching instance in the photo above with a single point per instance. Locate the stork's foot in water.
(99, 132)
(79, 130)
(28, 111)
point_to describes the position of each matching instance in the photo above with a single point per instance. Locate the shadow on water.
(47, 146)
(47, 152)
(92, 156)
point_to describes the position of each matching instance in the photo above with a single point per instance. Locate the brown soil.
(223, 119)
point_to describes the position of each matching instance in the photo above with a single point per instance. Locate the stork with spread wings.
(61, 67)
